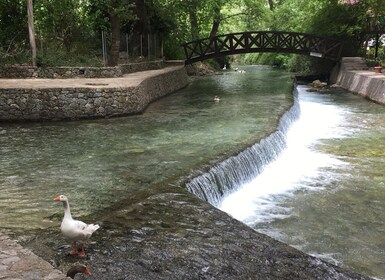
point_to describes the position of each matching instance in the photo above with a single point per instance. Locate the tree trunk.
(214, 32)
(216, 22)
(142, 26)
(194, 25)
(113, 58)
(31, 31)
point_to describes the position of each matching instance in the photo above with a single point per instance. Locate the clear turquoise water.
(98, 162)
(336, 211)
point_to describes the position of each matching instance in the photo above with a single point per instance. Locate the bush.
(62, 58)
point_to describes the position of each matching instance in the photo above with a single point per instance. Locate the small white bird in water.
(74, 230)
(216, 98)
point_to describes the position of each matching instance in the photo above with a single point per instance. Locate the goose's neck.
(67, 211)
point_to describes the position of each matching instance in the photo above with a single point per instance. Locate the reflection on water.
(329, 197)
(97, 162)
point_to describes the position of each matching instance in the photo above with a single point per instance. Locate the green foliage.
(69, 29)
(346, 22)
(62, 58)
(274, 59)
(13, 39)
(98, 12)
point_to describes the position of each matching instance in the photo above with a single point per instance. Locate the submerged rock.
(317, 86)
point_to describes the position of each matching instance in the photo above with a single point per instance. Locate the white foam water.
(257, 201)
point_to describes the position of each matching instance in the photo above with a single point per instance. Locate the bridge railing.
(263, 41)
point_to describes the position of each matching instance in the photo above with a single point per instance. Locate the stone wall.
(81, 103)
(13, 72)
(17, 72)
(352, 74)
(141, 66)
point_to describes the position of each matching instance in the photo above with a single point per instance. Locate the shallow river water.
(98, 162)
(325, 194)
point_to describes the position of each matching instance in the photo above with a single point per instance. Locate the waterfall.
(228, 175)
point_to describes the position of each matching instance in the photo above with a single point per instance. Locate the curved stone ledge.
(90, 100)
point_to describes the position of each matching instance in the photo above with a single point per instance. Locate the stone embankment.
(18, 263)
(25, 72)
(82, 98)
(354, 75)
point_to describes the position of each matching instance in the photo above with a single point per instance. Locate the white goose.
(74, 230)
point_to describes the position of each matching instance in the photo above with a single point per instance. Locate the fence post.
(161, 49)
(127, 46)
(104, 49)
(155, 46)
(148, 46)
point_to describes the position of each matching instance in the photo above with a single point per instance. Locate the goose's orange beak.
(57, 198)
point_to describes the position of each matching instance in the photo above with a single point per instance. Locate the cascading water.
(298, 162)
(324, 194)
(227, 176)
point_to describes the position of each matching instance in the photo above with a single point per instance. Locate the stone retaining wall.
(354, 76)
(141, 66)
(25, 72)
(15, 72)
(81, 103)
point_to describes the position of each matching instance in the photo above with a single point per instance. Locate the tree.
(117, 13)
(31, 31)
(13, 31)
(115, 22)
(60, 21)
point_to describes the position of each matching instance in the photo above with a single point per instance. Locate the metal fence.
(85, 49)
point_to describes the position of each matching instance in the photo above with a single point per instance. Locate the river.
(324, 194)
(99, 162)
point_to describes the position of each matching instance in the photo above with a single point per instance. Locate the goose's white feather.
(74, 230)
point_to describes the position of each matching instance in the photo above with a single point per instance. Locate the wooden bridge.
(263, 41)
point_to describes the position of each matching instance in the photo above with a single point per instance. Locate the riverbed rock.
(168, 233)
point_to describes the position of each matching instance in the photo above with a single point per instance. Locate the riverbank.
(353, 74)
(17, 262)
(86, 98)
(167, 233)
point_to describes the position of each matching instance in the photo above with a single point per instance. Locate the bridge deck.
(263, 41)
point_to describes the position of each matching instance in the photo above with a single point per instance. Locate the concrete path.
(18, 263)
(128, 80)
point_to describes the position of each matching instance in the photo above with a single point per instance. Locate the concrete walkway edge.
(17, 263)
